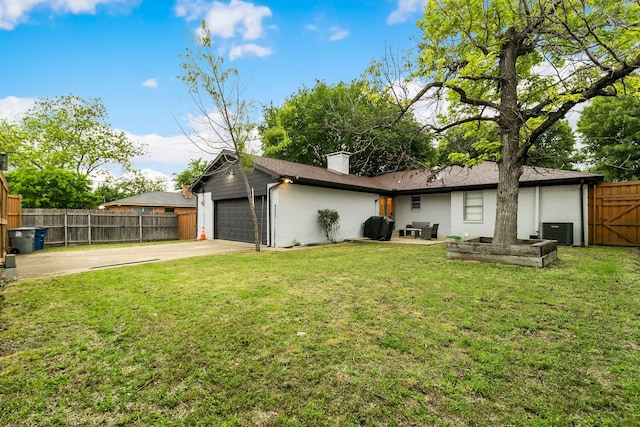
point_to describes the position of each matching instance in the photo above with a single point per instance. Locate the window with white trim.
(473, 209)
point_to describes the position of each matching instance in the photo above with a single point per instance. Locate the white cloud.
(238, 51)
(156, 176)
(100, 176)
(427, 109)
(15, 12)
(338, 34)
(12, 107)
(226, 20)
(191, 9)
(177, 150)
(210, 134)
(169, 150)
(153, 83)
(334, 33)
(405, 9)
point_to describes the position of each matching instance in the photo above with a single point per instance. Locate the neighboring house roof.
(156, 198)
(484, 175)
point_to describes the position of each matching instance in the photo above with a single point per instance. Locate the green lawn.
(347, 335)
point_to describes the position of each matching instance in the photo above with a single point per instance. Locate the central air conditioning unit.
(560, 231)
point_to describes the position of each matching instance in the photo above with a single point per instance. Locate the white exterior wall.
(562, 204)
(528, 212)
(434, 208)
(535, 206)
(205, 215)
(460, 227)
(294, 213)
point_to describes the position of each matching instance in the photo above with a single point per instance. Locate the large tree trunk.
(510, 164)
(506, 227)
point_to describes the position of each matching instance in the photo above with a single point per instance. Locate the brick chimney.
(338, 162)
(185, 191)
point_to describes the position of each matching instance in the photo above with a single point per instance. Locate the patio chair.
(430, 232)
(434, 231)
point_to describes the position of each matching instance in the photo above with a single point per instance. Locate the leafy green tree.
(216, 91)
(555, 148)
(611, 134)
(353, 117)
(51, 188)
(128, 185)
(523, 65)
(68, 133)
(468, 143)
(480, 141)
(11, 142)
(195, 168)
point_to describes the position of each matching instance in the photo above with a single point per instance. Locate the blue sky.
(126, 52)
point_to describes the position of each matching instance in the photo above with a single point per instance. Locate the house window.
(415, 203)
(169, 210)
(473, 206)
(142, 209)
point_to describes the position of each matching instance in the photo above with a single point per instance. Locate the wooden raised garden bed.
(529, 253)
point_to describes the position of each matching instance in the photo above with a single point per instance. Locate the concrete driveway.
(44, 264)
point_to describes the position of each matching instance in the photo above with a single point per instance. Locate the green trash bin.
(22, 240)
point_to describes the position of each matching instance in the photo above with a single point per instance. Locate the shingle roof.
(450, 177)
(156, 198)
(484, 175)
(305, 173)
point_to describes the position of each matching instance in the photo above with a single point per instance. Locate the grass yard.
(346, 335)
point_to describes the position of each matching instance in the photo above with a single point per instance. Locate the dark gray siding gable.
(225, 185)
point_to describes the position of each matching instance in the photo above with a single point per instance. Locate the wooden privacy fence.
(614, 214)
(15, 211)
(4, 214)
(81, 227)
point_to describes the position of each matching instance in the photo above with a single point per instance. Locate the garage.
(232, 220)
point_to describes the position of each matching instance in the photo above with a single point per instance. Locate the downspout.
(536, 213)
(200, 212)
(262, 208)
(582, 243)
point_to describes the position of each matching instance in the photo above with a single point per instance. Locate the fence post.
(140, 220)
(66, 230)
(89, 228)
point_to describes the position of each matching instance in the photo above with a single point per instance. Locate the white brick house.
(461, 200)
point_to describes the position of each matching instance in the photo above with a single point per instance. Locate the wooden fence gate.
(187, 226)
(614, 214)
(14, 213)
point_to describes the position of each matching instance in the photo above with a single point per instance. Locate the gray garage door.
(233, 220)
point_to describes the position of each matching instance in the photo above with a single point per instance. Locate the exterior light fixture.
(287, 181)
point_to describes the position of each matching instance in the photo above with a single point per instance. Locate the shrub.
(329, 220)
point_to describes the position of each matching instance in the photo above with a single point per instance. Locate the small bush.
(329, 220)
